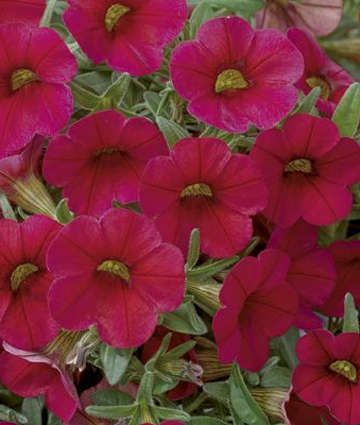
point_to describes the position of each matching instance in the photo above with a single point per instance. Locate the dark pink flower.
(320, 17)
(203, 185)
(30, 374)
(308, 169)
(27, 11)
(25, 320)
(232, 84)
(101, 159)
(35, 64)
(300, 413)
(328, 374)
(320, 71)
(347, 260)
(130, 34)
(21, 183)
(312, 269)
(119, 278)
(258, 305)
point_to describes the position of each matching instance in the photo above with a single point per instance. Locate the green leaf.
(32, 409)
(172, 131)
(6, 208)
(307, 105)
(83, 96)
(202, 13)
(286, 345)
(277, 376)
(347, 113)
(194, 249)
(46, 18)
(171, 414)
(220, 391)
(117, 91)
(63, 214)
(208, 270)
(185, 320)
(243, 6)
(9, 415)
(111, 397)
(351, 315)
(111, 412)
(115, 362)
(205, 420)
(242, 401)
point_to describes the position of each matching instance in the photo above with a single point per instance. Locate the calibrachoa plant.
(179, 212)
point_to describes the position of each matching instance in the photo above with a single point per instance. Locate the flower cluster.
(179, 196)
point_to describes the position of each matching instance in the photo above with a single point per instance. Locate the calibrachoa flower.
(25, 320)
(258, 305)
(328, 374)
(320, 17)
(101, 159)
(27, 11)
(31, 374)
(312, 269)
(320, 71)
(300, 413)
(119, 278)
(203, 185)
(35, 64)
(347, 260)
(128, 34)
(21, 183)
(232, 84)
(308, 169)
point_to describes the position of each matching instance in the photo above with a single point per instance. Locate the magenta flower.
(203, 185)
(320, 71)
(35, 64)
(308, 169)
(328, 374)
(347, 260)
(101, 159)
(119, 279)
(27, 11)
(25, 320)
(21, 183)
(30, 374)
(232, 85)
(129, 35)
(258, 305)
(300, 413)
(319, 17)
(312, 269)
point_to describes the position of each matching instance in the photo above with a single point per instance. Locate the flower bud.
(271, 401)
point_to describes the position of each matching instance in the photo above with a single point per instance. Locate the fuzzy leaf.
(243, 403)
(351, 315)
(115, 362)
(194, 249)
(347, 113)
(172, 131)
(185, 320)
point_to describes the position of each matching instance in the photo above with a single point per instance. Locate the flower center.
(106, 151)
(322, 83)
(230, 79)
(21, 273)
(282, 3)
(299, 165)
(21, 77)
(346, 369)
(197, 189)
(113, 15)
(116, 268)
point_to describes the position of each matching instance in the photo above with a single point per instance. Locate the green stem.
(47, 16)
